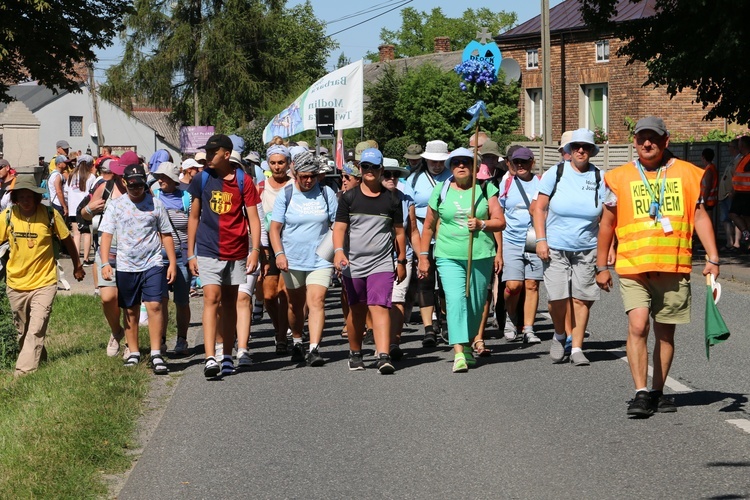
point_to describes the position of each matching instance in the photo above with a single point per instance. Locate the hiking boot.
(640, 406)
(369, 338)
(298, 353)
(529, 337)
(181, 348)
(113, 346)
(579, 359)
(212, 368)
(314, 358)
(661, 403)
(244, 361)
(356, 363)
(384, 365)
(557, 350)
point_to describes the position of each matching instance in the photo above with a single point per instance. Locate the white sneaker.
(113, 346)
(510, 332)
(126, 352)
(244, 362)
(529, 337)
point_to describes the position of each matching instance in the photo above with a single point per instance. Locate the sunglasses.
(460, 161)
(389, 174)
(308, 177)
(135, 187)
(368, 166)
(521, 162)
(575, 146)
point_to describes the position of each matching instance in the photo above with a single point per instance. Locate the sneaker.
(212, 368)
(113, 346)
(640, 406)
(314, 358)
(430, 339)
(244, 362)
(369, 338)
(298, 353)
(460, 365)
(181, 348)
(257, 312)
(396, 352)
(510, 332)
(126, 352)
(384, 365)
(568, 345)
(227, 366)
(529, 337)
(356, 362)
(579, 359)
(158, 365)
(557, 350)
(661, 403)
(87, 263)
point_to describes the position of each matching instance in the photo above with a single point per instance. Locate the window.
(595, 107)
(534, 113)
(532, 59)
(602, 51)
(76, 126)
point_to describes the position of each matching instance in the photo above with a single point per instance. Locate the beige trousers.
(31, 312)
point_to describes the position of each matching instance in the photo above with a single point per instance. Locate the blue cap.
(371, 155)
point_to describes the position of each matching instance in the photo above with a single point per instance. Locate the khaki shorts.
(401, 289)
(298, 279)
(666, 295)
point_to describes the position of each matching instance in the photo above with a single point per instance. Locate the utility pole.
(95, 99)
(546, 74)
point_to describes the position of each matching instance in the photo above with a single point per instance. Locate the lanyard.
(657, 202)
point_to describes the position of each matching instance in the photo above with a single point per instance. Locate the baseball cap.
(349, 155)
(218, 141)
(85, 158)
(4, 163)
(371, 155)
(652, 123)
(189, 163)
(129, 158)
(564, 140)
(134, 174)
(522, 154)
(62, 144)
(200, 156)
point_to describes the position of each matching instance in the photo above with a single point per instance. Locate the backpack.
(559, 174)
(87, 198)
(447, 186)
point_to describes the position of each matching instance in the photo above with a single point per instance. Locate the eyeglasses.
(521, 162)
(368, 166)
(389, 174)
(575, 146)
(460, 161)
(306, 177)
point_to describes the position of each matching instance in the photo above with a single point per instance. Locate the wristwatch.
(601, 269)
(402, 262)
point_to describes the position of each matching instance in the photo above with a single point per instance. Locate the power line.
(370, 9)
(371, 18)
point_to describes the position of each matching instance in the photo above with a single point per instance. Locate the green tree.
(687, 44)
(418, 29)
(426, 103)
(343, 61)
(219, 63)
(50, 41)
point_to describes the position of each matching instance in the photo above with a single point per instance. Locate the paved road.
(517, 426)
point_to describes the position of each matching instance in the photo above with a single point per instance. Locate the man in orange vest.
(739, 213)
(710, 182)
(654, 206)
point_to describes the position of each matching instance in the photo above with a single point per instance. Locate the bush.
(396, 147)
(8, 334)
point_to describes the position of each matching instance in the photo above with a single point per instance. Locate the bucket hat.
(582, 135)
(436, 151)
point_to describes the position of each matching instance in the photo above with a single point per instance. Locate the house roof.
(443, 60)
(33, 95)
(566, 16)
(159, 120)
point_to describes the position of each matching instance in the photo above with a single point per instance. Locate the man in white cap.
(189, 169)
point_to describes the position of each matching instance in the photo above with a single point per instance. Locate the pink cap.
(484, 172)
(117, 167)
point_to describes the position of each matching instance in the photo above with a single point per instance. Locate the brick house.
(591, 86)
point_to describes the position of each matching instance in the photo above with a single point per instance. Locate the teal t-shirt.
(452, 240)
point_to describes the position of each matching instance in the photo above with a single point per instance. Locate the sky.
(356, 41)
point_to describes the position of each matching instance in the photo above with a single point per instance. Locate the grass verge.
(64, 426)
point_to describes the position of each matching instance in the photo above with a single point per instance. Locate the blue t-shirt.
(425, 183)
(305, 223)
(517, 217)
(573, 218)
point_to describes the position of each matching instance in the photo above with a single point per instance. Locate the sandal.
(132, 360)
(480, 349)
(282, 349)
(344, 333)
(159, 368)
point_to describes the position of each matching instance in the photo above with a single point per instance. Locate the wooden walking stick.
(473, 208)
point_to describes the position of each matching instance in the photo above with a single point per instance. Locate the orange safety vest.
(740, 178)
(642, 244)
(710, 193)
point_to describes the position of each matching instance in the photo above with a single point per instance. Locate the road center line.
(670, 382)
(741, 423)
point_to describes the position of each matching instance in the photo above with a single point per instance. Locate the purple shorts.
(374, 290)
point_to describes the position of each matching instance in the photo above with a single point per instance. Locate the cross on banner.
(484, 35)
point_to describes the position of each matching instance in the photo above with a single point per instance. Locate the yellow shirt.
(31, 267)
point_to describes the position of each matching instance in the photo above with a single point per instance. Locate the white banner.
(341, 90)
